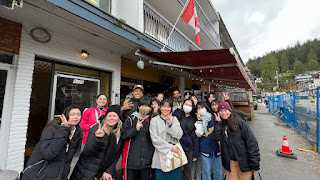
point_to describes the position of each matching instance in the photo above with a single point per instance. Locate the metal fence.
(301, 111)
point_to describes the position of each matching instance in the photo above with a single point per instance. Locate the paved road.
(269, 132)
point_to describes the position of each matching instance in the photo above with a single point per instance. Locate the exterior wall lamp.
(84, 54)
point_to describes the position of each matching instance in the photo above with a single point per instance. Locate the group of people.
(142, 130)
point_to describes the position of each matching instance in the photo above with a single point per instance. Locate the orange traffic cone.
(285, 151)
(285, 146)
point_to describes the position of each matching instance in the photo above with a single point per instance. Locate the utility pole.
(277, 79)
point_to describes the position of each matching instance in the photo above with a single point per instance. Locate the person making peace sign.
(102, 150)
(58, 143)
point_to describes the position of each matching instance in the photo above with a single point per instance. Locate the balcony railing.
(159, 28)
(205, 24)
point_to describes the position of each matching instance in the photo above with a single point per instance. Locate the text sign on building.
(78, 81)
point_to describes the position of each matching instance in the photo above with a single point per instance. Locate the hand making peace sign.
(226, 96)
(100, 132)
(139, 124)
(179, 105)
(64, 121)
(217, 117)
(169, 119)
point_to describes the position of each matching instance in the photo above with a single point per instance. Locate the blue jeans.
(213, 163)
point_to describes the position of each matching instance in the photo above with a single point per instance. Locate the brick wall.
(10, 33)
(59, 48)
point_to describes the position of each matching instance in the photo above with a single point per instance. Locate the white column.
(21, 106)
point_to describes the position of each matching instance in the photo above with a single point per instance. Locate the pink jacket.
(88, 119)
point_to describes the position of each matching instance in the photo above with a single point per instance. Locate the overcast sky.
(259, 26)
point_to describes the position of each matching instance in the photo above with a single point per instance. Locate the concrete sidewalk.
(269, 132)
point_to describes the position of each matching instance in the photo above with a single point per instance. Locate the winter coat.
(133, 108)
(138, 148)
(100, 154)
(159, 130)
(89, 118)
(188, 142)
(52, 149)
(243, 144)
(208, 146)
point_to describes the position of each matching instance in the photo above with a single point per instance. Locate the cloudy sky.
(259, 26)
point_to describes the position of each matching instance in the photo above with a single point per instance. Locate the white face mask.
(187, 109)
(202, 111)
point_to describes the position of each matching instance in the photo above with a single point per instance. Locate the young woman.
(102, 150)
(138, 148)
(160, 127)
(58, 143)
(239, 148)
(209, 149)
(160, 96)
(213, 107)
(194, 99)
(209, 100)
(186, 95)
(189, 141)
(91, 116)
(155, 105)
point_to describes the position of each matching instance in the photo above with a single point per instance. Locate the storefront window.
(75, 90)
(5, 58)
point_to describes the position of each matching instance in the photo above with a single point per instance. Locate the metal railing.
(156, 26)
(205, 24)
(301, 111)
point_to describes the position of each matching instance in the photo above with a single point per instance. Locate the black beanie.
(114, 108)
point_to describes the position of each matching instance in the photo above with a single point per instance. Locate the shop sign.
(78, 81)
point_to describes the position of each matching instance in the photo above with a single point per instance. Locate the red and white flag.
(190, 16)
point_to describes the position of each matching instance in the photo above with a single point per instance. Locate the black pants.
(143, 174)
(187, 168)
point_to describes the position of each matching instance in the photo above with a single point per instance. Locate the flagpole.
(184, 7)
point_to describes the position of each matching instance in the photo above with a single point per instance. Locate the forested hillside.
(288, 62)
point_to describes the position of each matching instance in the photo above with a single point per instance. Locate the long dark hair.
(231, 122)
(192, 120)
(56, 122)
(207, 100)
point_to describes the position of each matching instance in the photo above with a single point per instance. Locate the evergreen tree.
(313, 65)
(312, 60)
(298, 67)
(284, 63)
(270, 66)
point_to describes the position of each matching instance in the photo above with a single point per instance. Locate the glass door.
(70, 89)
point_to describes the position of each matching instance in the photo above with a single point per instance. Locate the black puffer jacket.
(99, 155)
(243, 144)
(138, 150)
(52, 148)
(133, 108)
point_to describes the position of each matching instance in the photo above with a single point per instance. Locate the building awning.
(218, 66)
